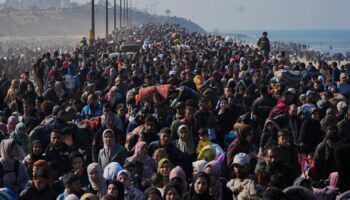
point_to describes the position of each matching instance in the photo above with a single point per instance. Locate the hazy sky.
(255, 14)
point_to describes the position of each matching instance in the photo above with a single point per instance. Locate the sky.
(226, 15)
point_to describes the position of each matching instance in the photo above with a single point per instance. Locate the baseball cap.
(172, 73)
(343, 75)
(241, 159)
(292, 90)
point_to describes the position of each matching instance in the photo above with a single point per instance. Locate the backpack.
(3, 172)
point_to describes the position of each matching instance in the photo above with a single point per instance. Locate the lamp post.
(124, 12)
(127, 12)
(115, 14)
(120, 14)
(106, 19)
(92, 20)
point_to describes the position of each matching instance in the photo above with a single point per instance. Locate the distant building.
(42, 4)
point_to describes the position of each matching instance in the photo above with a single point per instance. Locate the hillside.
(72, 21)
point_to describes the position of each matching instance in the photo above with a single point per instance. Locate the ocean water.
(333, 41)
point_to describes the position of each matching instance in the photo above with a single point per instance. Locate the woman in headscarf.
(213, 169)
(12, 121)
(14, 172)
(269, 136)
(59, 89)
(208, 153)
(130, 192)
(98, 185)
(113, 97)
(142, 159)
(178, 175)
(164, 168)
(12, 92)
(198, 166)
(29, 93)
(111, 151)
(21, 137)
(36, 153)
(200, 188)
(243, 142)
(159, 154)
(185, 142)
(111, 171)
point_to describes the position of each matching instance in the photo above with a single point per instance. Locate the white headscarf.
(100, 186)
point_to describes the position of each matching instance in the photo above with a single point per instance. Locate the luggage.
(288, 77)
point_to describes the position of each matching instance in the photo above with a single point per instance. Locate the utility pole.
(120, 14)
(127, 12)
(106, 19)
(115, 14)
(92, 20)
(130, 11)
(124, 12)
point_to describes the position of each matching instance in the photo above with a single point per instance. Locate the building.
(42, 4)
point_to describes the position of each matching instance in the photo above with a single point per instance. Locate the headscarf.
(111, 98)
(273, 123)
(111, 171)
(32, 155)
(22, 139)
(5, 152)
(178, 172)
(208, 153)
(137, 153)
(11, 119)
(216, 166)
(71, 197)
(58, 89)
(3, 128)
(103, 135)
(185, 146)
(161, 162)
(125, 172)
(89, 196)
(217, 187)
(99, 186)
(8, 163)
(199, 165)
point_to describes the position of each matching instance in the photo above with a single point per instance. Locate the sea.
(333, 40)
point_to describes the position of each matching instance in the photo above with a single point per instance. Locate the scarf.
(113, 137)
(217, 187)
(199, 165)
(137, 153)
(100, 186)
(188, 145)
(111, 171)
(12, 121)
(111, 98)
(178, 172)
(58, 89)
(22, 139)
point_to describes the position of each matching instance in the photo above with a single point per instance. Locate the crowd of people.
(186, 116)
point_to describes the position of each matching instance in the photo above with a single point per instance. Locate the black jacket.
(31, 193)
(324, 161)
